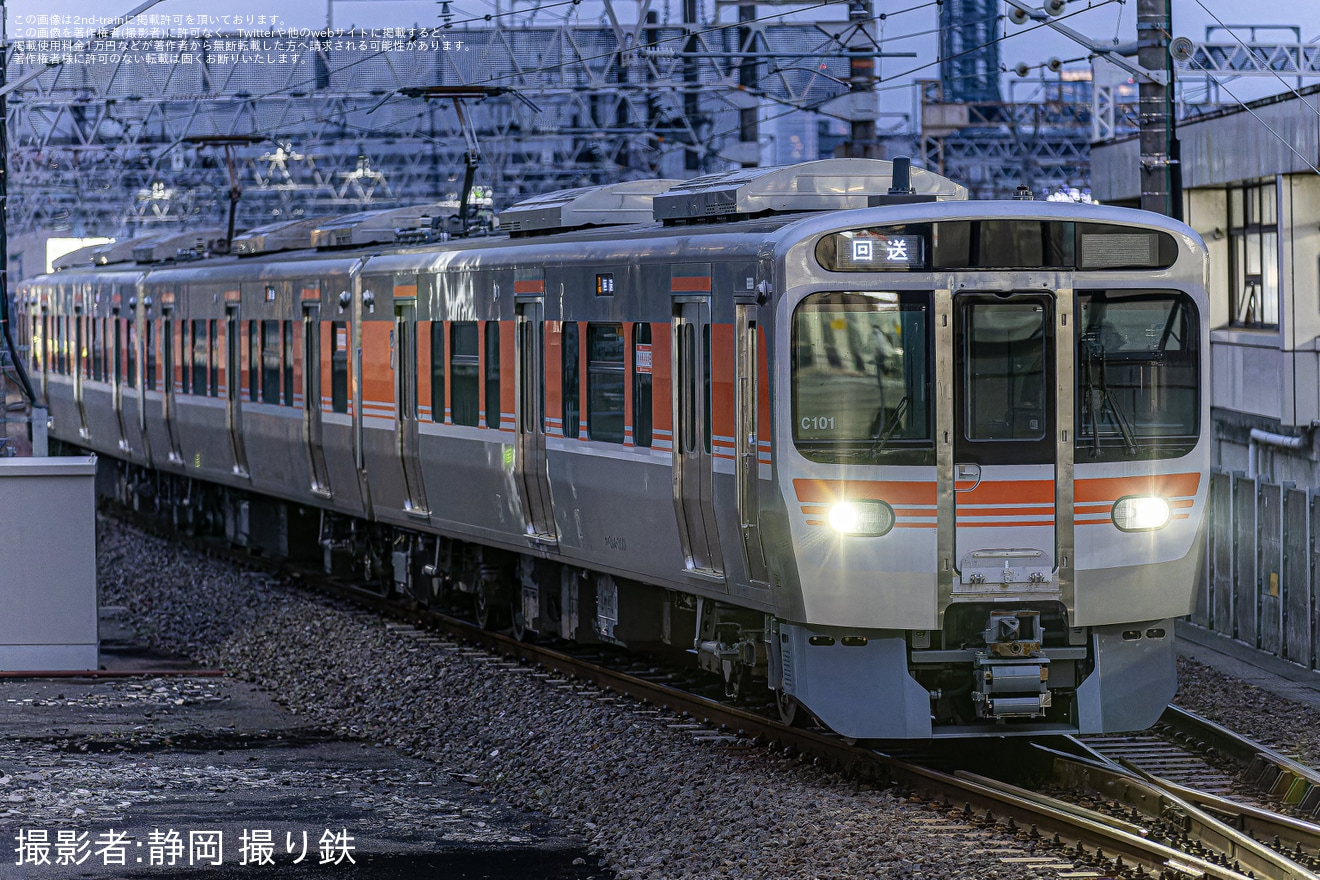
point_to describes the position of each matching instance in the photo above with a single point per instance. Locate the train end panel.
(862, 685)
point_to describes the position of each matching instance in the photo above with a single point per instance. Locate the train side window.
(149, 351)
(254, 361)
(572, 405)
(339, 366)
(605, 382)
(78, 364)
(492, 374)
(185, 355)
(641, 359)
(118, 373)
(465, 372)
(288, 363)
(213, 356)
(270, 362)
(438, 371)
(95, 332)
(167, 354)
(130, 354)
(201, 364)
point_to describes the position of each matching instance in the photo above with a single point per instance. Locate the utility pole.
(1161, 177)
(861, 143)
(692, 161)
(748, 76)
(1161, 189)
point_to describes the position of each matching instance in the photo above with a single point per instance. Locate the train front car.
(992, 463)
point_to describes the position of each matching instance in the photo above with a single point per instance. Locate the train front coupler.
(1010, 676)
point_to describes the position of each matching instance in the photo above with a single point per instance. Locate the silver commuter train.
(929, 467)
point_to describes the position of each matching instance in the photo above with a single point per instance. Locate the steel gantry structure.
(124, 135)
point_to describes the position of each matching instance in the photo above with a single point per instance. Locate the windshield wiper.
(1100, 399)
(887, 430)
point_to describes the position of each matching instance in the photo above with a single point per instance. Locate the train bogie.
(922, 466)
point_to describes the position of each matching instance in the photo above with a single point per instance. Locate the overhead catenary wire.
(1232, 33)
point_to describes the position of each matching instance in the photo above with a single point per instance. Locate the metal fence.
(1261, 580)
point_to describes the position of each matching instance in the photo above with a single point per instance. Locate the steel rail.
(1221, 828)
(1284, 779)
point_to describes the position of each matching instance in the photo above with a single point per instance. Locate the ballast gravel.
(1284, 725)
(654, 798)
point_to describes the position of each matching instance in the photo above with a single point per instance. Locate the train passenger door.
(234, 388)
(119, 326)
(81, 359)
(312, 396)
(1005, 451)
(531, 464)
(405, 413)
(143, 360)
(747, 442)
(170, 374)
(693, 477)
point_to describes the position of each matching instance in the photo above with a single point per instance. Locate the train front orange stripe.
(1110, 489)
(1009, 492)
(892, 491)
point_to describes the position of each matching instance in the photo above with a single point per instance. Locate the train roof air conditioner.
(823, 185)
(613, 204)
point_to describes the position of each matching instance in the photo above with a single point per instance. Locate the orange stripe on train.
(1035, 493)
(1110, 489)
(893, 491)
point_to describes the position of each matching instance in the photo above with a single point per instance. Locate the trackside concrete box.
(48, 614)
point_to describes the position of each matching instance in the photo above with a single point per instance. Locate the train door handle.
(966, 473)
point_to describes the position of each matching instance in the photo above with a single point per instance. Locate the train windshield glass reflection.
(861, 378)
(1137, 363)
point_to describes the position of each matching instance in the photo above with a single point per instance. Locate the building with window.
(1252, 189)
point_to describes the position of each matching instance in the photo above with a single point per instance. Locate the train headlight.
(861, 518)
(1141, 513)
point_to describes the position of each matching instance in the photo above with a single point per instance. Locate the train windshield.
(861, 378)
(1137, 363)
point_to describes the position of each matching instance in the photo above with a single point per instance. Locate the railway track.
(1161, 828)
(1166, 829)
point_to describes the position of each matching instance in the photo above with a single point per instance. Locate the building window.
(492, 374)
(605, 378)
(1253, 236)
(464, 372)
